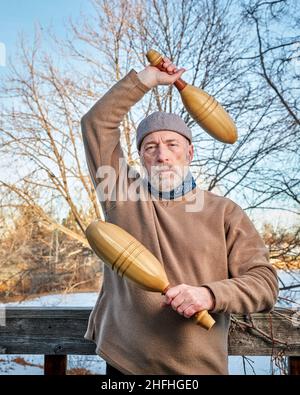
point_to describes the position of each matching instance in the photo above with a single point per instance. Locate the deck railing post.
(55, 365)
(294, 365)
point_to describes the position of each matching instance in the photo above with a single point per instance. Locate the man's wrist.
(213, 298)
(143, 76)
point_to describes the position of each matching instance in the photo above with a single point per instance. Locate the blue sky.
(21, 16)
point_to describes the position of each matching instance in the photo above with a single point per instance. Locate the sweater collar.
(186, 186)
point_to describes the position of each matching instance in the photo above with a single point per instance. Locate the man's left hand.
(188, 300)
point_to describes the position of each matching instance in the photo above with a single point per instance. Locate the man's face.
(166, 157)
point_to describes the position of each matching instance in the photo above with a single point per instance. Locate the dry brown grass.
(21, 361)
(287, 265)
(79, 372)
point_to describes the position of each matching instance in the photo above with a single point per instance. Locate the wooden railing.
(56, 332)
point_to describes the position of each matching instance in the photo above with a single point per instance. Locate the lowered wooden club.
(129, 258)
(202, 107)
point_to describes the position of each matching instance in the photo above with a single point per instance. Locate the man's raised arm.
(101, 125)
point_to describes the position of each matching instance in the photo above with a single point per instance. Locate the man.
(212, 253)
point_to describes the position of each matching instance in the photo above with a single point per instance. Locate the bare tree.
(211, 39)
(229, 52)
(246, 55)
(41, 134)
(274, 60)
(34, 259)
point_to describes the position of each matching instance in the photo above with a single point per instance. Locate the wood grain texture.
(202, 107)
(131, 259)
(60, 331)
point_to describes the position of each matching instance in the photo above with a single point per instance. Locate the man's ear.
(190, 152)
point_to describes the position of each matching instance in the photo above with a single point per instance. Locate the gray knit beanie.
(162, 121)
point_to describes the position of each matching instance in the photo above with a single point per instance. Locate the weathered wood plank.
(60, 330)
(46, 346)
(46, 330)
(276, 332)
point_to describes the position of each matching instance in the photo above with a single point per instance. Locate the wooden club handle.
(156, 60)
(202, 318)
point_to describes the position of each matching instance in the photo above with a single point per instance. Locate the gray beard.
(166, 182)
(184, 187)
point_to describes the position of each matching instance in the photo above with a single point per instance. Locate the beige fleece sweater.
(216, 245)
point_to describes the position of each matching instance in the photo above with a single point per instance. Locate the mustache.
(161, 168)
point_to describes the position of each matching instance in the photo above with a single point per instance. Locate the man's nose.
(162, 155)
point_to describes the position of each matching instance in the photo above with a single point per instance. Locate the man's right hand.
(152, 77)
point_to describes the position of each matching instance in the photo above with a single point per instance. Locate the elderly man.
(211, 251)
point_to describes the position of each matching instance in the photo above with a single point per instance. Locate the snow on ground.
(84, 299)
(33, 364)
